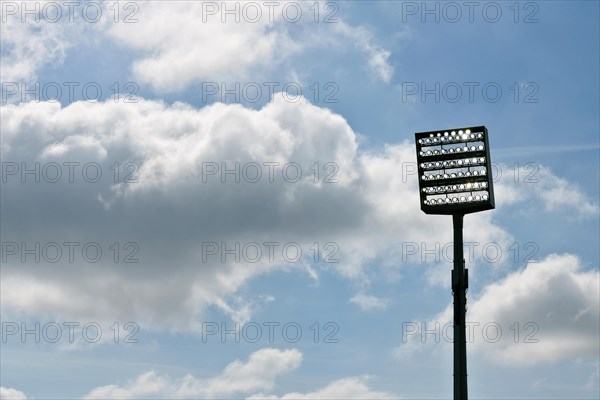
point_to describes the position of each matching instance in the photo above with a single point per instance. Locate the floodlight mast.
(455, 179)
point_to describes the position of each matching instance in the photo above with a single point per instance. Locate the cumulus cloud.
(557, 298)
(169, 147)
(11, 394)
(258, 373)
(546, 312)
(156, 199)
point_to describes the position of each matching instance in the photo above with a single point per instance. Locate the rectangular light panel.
(455, 174)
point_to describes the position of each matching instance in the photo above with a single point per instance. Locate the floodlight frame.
(466, 207)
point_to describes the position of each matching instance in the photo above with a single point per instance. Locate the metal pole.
(460, 283)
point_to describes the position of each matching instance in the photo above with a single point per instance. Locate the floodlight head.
(455, 174)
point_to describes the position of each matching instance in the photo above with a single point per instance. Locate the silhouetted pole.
(460, 283)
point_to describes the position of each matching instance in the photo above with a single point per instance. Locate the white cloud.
(180, 43)
(554, 295)
(172, 210)
(180, 48)
(367, 302)
(11, 394)
(546, 312)
(536, 184)
(377, 56)
(342, 389)
(258, 373)
(183, 43)
(27, 45)
(170, 145)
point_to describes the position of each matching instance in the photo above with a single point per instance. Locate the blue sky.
(347, 318)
